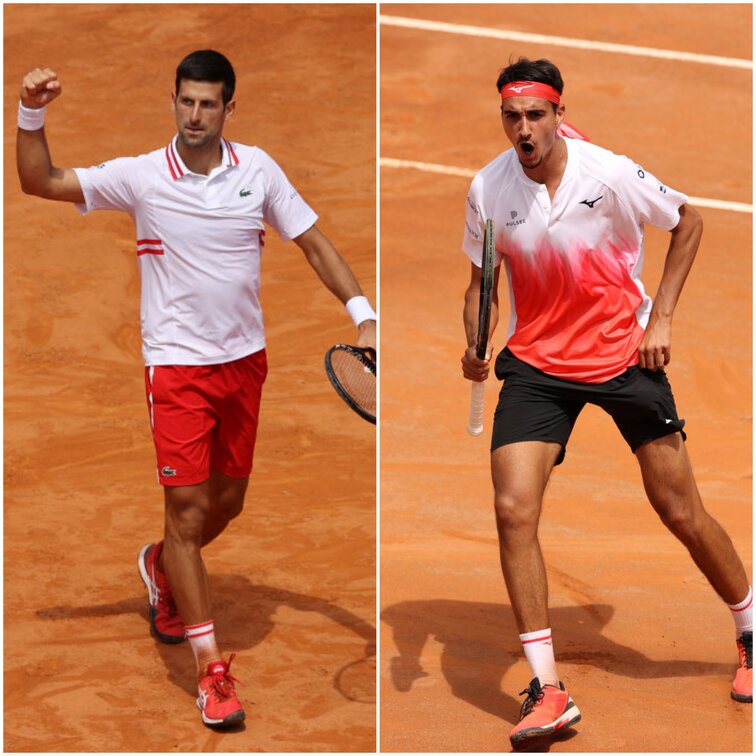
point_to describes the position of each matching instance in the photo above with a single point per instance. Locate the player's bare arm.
(475, 369)
(654, 351)
(36, 172)
(337, 276)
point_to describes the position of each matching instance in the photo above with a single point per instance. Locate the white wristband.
(359, 309)
(31, 119)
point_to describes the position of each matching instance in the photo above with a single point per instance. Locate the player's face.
(530, 123)
(200, 113)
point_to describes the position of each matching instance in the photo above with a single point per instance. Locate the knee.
(516, 514)
(185, 516)
(229, 508)
(680, 517)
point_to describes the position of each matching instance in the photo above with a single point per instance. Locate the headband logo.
(519, 89)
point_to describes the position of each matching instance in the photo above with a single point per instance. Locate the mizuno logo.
(168, 472)
(591, 203)
(245, 192)
(519, 89)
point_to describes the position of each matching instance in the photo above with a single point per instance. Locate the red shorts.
(204, 417)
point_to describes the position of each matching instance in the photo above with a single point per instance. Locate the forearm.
(328, 264)
(470, 314)
(33, 161)
(472, 307)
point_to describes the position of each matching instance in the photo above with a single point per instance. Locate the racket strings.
(356, 378)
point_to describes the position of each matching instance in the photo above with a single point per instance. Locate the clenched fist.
(39, 88)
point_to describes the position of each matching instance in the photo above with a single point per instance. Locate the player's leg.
(186, 514)
(226, 496)
(643, 407)
(187, 511)
(532, 424)
(671, 488)
(520, 472)
(672, 491)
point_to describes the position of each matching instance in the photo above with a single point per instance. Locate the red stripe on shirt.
(141, 252)
(172, 156)
(170, 166)
(231, 152)
(149, 241)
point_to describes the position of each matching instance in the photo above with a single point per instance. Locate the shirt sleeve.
(113, 185)
(475, 223)
(647, 198)
(283, 208)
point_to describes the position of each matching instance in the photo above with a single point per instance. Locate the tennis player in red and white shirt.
(200, 205)
(569, 221)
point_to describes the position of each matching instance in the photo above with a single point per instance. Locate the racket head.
(486, 289)
(352, 372)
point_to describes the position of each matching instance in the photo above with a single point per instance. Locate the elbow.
(692, 218)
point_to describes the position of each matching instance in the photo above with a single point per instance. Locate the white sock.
(742, 613)
(202, 640)
(540, 655)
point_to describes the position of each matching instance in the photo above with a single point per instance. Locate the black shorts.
(534, 406)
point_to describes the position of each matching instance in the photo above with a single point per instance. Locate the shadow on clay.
(246, 613)
(478, 650)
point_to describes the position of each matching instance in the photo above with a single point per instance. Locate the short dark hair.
(523, 69)
(208, 65)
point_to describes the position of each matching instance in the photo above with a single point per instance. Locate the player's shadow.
(479, 643)
(246, 613)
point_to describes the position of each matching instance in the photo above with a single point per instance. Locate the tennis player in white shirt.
(199, 205)
(569, 234)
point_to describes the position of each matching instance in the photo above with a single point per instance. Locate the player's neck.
(201, 160)
(551, 168)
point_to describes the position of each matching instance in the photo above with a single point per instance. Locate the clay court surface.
(644, 645)
(294, 577)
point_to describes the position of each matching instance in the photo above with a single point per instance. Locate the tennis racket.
(478, 390)
(352, 372)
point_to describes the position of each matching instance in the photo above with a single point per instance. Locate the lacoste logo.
(168, 472)
(591, 203)
(519, 89)
(245, 192)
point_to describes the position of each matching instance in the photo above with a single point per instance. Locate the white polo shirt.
(578, 307)
(199, 241)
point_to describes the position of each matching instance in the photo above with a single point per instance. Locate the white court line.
(446, 170)
(581, 44)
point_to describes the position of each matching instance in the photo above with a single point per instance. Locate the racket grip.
(475, 421)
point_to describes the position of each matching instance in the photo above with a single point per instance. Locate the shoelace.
(223, 682)
(746, 650)
(534, 697)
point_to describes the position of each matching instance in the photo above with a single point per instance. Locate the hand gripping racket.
(478, 390)
(352, 372)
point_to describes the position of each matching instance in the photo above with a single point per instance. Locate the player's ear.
(173, 101)
(560, 114)
(230, 109)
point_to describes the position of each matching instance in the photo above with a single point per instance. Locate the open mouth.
(527, 148)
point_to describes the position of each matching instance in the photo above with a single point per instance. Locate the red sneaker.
(165, 623)
(217, 696)
(742, 685)
(545, 711)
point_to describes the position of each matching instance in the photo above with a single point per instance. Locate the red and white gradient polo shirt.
(199, 240)
(578, 307)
